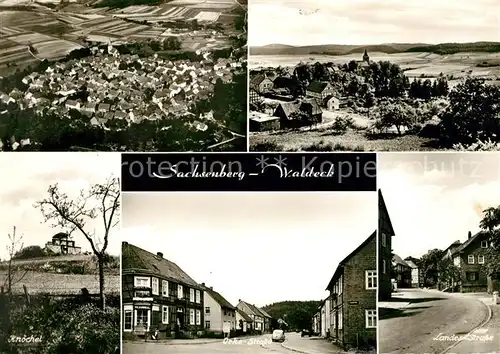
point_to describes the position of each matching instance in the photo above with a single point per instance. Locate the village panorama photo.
(257, 273)
(60, 253)
(123, 75)
(439, 255)
(374, 75)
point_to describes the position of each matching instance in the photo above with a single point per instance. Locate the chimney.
(469, 235)
(202, 284)
(211, 288)
(239, 300)
(124, 243)
(159, 254)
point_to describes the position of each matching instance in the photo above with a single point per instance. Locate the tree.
(100, 201)
(448, 273)
(30, 252)
(430, 266)
(398, 115)
(490, 224)
(14, 274)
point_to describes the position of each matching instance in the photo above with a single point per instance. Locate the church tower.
(366, 58)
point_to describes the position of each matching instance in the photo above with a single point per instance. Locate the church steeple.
(366, 56)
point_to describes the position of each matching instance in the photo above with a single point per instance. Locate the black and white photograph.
(374, 75)
(123, 75)
(249, 273)
(439, 261)
(60, 254)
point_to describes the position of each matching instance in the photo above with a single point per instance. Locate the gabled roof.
(288, 108)
(463, 246)
(342, 263)
(218, 298)
(137, 260)
(254, 310)
(398, 260)
(382, 208)
(411, 264)
(452, 248)
(265, 313)
(316, 109)
(317, 86)
(257, 79)
(244, 315)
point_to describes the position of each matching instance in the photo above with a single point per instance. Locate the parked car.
(306, 332)
(278, 335)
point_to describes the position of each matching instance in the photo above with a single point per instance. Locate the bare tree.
(14, 275)
(100, 201)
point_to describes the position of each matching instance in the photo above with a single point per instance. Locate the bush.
(478, 146)
(341, 124)
(266, 147)
(69, 327)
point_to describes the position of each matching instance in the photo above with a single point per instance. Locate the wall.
(215, 316)
(385, 252)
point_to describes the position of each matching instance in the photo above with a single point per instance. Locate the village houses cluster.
(294, 108)
(157, 295)
(348, 316)
(114, 85)
(468, 256)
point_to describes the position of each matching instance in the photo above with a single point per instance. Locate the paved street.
(255, 345)
(422, 321)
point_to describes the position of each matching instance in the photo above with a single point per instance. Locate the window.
(484, 244)
(142, 282)
(371, 279)
(164, 315)
(207, 324)
(383, 266)
(198, 296)
(191, 316)
(191, 295)
(340, 285)
(164, 288)
(371, 318)
(470, 259)
(180, 293)
(198, 317)
(155, 286)
(142, 318)
(340, 324)
(480, 259)
(207, 310)
(127, 318)
(384, 239)
(471, 276)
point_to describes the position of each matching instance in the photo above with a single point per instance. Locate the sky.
(305, 22)
(26, 178)
(436, 199)
(257, 247)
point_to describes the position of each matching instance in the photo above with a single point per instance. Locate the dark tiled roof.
(257, 79)
(137, 260)
(340, 267)
(467, 243)
(253, 310)
(265, 313)
(316, 109)
(398, 260)
(317, 86)
(382, 208)
(244, 315)
(288, 108)
(219, 298)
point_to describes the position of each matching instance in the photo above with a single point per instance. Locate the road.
(422, 321)
(256, 345)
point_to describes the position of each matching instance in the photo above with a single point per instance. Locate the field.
(415, 64)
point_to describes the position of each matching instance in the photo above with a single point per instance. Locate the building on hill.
(366, 57)
(470, 258)
(254, 313)
(331, 103)
(353, 288)
(385, 234)
(243, 321)
(62, 244)
(402, 272)
(218, 311)
(320, 90)
(261, 83)
(158, 295)
(298, 113)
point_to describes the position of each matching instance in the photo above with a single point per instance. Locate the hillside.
(298, 314)
(389, 48)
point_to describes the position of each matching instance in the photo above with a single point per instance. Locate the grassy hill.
(389, 48)
(298, 314)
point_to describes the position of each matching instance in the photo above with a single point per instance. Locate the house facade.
(331, 103)
(470, 257)
(416, 272)
(253, 313)
(299, 113)
(254, 97)
(158, 295)
(402, 272)
(219, 314)
(267, 319)
(62, 244)
(261, 83)
(353, 287)
(316, 322)
(325, 318)
(385, 234)
(243, 321)
(319, 90)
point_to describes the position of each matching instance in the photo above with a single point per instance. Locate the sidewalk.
(196, 341)
(315, 346)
